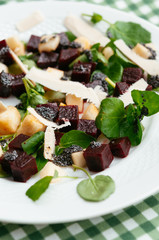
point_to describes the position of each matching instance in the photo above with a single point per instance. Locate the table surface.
(139, 221)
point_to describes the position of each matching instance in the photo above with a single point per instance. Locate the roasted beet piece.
(120, 88)
(33, 43)
(98, 156)
(65, 158)
(67, 56)
(16, 143)
(120, 147)
(149, 88)
(5, 84)
(103, 85)
(58, 136)
(47, 59)
(87, 126)
(70, 113)
(23, 167)
(64, 41)
(81, 73)
(153, 81)
(17, 85)
(48, 111)
(5, 56)
(7, 159)
(132, 75)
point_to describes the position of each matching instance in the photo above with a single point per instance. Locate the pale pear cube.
(91, 112)
(48, 43)
(142, 51)
(3, 67)
(78, 159)
(9, 121)
(30, 125)
(16, 45)
(71, 99)
(103, 139)
(49, 170)
(84, 42)
(108, 52)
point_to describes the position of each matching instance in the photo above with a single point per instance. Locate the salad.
(82, 98)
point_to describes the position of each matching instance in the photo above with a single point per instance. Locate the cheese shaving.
(47, 122)
(30, 21)
(19, 62)
(68, 87)
(49, 143)
(139, 85)
(150, 66)
(80, 28)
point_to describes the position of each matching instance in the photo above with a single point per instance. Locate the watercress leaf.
(115, 71)
(98, 56)
(32, 144)
(147, 101)
(81, 58)
(96, 46)
(58, 150)
(105, 186)
(40, 160)
(110, 116)
(76, 137)
(131, 33)
(95, 18)
(36, 190)
(120, 58)
(35, 99)
(131, 127)
(39, 88)
(70, 36)
(24, 100)
(29, 63)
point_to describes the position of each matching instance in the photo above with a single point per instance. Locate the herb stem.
(5, 137)
(89, 176)
(109, 81)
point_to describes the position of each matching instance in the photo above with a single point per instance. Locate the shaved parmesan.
(30, 21)
(1, 151)
(139, 85)
(49, 143)
(56, 73)
(81, 29)
(68, 87)
(49, 170)
(18, 61)
(47, 122)
(150, 66)
(3, 108)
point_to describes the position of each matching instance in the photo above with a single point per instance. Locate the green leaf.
(33, 143)
(70, 36)
(81, 58)
(3, 174)
(36, 190)
(96, 18)
(147, 101)
(76, 137)
(96, 46)
(118, 57)
(105, 186)
(39, 88)
(132, 33)
(36, 99)
(30, 63)
(110, 116)
(14, 69)
(40, 160)
(98, 56)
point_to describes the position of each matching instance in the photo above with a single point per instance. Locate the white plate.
(136, 176)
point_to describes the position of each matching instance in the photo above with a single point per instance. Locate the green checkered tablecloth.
(139, 222)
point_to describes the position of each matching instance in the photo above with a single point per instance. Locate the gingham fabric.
(139, 222)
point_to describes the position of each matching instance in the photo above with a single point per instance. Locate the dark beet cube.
(5, 84)
(64, 41)
(47, 59)
(70, 113)
(153, 81)
(132, 75)
(120, 147)
(58, 136)
(87, 126)
(7, 159)
(5, 56)
(149, 88)
(103, 85)
(23, 167)
(120, 88)
(16, 143)
(48, 111)
(81, 72)
(33, 43)
(98, 156)
(17, 85)
(67, 56)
